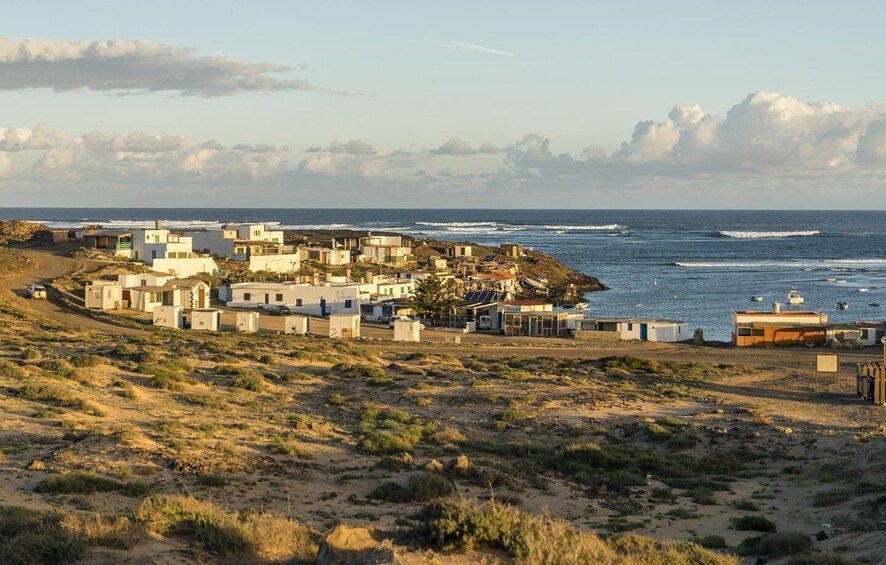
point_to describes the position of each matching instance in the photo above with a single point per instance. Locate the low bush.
(775, 544)
(250, 381)
(77, 483)
(753, 524)
(88, 360)
(541, 539)
(28, 537)
(713, 541)
(421, 487)
(249, 536)
(11, 370)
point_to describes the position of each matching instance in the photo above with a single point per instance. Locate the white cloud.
(132, 66)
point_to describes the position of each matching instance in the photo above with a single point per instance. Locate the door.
(533, 326)
(201, 298)
(644, 332)
(322, 306)
(267, 298)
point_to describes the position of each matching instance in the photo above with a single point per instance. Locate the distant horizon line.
(204, 208)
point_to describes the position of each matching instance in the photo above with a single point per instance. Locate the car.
(278, 310)
(37, 291)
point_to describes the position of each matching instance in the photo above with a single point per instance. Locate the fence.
(870, 382)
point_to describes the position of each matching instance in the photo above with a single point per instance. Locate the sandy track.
(48, 266)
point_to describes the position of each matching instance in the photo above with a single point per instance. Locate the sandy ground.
(800, 434)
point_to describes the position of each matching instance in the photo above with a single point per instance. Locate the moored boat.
(794, 297)
(842, 306)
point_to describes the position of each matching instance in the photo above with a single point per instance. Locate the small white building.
(302, 298)
(247, 322)
(407, 330)
(297, 325)
(344, 326)
(396, 288)
(643, 329)
(151, 278)
(103, 295)
(326, 255)
(187, 293)
(169, 316)
(206, 319)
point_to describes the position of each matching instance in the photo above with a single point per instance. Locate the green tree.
(434, 298)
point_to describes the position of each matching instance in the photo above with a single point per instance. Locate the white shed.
(103, 295)
(298, 325)
(407, 330)
(344, 326)
(169, 316)
(206, 319)
(247, 322)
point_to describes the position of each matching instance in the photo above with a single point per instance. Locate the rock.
(36, 465)
(434, 466)
(347, 545)
(821, 535)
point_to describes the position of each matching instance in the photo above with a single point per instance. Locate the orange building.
(779, 328)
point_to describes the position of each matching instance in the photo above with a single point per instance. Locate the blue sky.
(580, 75)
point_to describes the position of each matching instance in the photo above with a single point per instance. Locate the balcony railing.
(124, 245)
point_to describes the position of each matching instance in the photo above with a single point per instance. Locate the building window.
(279, 297)
(757, 332)
(298, 301)
(630, 327)
(247, 296)
(349, 303)
(744, 331)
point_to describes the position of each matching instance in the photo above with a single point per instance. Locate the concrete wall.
(407, 330)
(276, 263)
(252, 295)
(207, 319)
(186, 267)
(169, 316)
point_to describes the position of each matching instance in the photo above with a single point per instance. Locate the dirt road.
(50, 264)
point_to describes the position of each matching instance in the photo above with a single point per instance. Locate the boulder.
(348, 545)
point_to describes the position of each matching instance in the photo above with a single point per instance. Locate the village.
(483, 294)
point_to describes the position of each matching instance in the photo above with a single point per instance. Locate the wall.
(784, 336)
(275, 263)
(186, 267)
(310, 296)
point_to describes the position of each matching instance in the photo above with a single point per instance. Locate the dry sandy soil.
(101, 418)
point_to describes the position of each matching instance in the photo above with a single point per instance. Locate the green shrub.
(88, 360)
(249, 537)
(282, 446)
(11, 370)
(250, 381)
(831, 497)
(713, 541)
(658, 432)
(385, 443)
(753, 524)
(368, 371)
(77, 483)
(775, 544)
(745, 504)
(29, 537)
(421, 487)
(58, 368)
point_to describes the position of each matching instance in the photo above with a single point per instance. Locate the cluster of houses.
(487, 284)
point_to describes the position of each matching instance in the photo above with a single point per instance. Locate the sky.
(443, 104)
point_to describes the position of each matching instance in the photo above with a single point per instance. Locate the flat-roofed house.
(302, 298)
(103, 295)
(256, 244)
(643, 329)
(778, 327)
(536, 318)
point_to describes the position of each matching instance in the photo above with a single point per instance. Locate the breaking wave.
(581, 228)
(767, 234)
(826, 264)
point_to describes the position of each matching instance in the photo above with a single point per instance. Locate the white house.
(643, 329)
(103, 295)
(187, 293)
(301, 298)
(151, 278)
(396, 288)
(169, 252)
(385, 253)
(255, 244)
(326, 255)
(871, 332)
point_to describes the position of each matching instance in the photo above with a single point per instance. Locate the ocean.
(696, 265)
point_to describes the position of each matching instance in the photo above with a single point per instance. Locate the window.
(744, 331)
(630, 327)
(298, 301)
(256, 232)
(864, 334)
(349, 303)
(279, 297)
(247, 296)
(757, 332)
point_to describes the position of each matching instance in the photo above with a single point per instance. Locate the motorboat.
(581, 306)
(842, 306)
(757, 299)
(874, 304)
(863, 290)
(794, 297)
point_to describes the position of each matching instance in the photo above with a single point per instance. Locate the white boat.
(863, 289)
(757, 299)
(842, 306)
(794, 297)
(581, 306)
